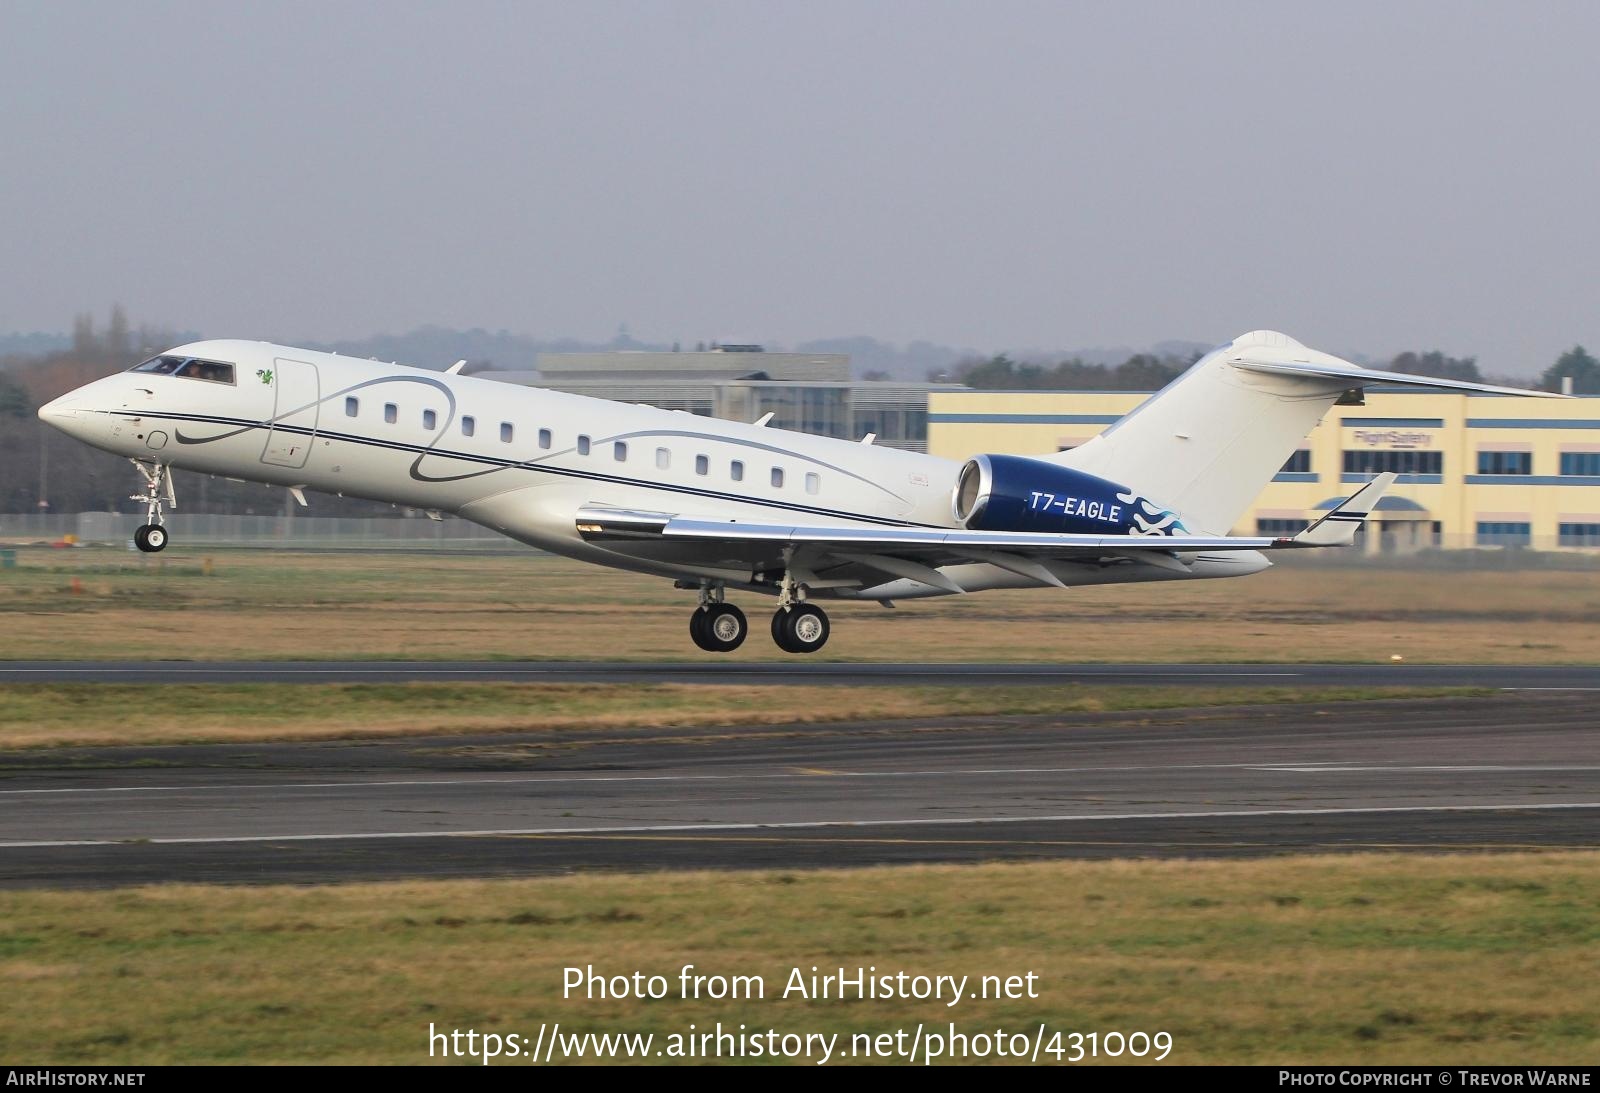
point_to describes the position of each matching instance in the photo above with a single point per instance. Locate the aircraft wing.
(917, 552)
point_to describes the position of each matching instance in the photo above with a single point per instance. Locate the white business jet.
(718, 505)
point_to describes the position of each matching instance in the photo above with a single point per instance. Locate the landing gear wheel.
(802, 628)
(724, 628)
(151, 536)
(697, 628)
(718, 627)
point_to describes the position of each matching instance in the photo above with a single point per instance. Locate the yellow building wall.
(966, 423)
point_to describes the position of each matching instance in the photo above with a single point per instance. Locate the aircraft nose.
(62, 412)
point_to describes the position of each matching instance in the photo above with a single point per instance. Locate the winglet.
(1339, 527)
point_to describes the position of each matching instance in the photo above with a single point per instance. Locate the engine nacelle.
(1014, 493)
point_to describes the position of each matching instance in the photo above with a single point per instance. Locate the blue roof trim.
(1392, 422)
(1533, 479)
(1404, 479)
(1023, 419)
(1531, 423)
(1297, 476)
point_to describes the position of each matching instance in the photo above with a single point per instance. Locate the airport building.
(807, 392)
(1475, 470)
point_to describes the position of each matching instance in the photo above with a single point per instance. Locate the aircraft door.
(297, 396)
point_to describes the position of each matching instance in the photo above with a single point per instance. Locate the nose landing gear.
(151, 536)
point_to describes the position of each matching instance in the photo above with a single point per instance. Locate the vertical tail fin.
(1209, 442)
(1206, 444)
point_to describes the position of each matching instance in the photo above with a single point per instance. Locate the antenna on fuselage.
(764, 418)
(455, 369)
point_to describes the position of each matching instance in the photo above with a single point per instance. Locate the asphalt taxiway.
(1520, 769)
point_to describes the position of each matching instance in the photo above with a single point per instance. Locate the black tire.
(725, 628)
(802, 628)
(155, 538)
(138, 537)
(699, 629)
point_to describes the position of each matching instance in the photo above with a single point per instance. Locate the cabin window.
(544, 438)
(583, 445)
(429, 419)
(702, 464)
(813, 482)
(352, 407)
(736, 471)
(663, 458)
(777, 478)
(469, 425)
(391, 413)
(506, 432)
(619, 452)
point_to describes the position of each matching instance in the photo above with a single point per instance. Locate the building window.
(1503, 533)
(619, 451)
(391, 413)
(429, 419)
(1578, 535)
(1401, 462)
(352, 407)
(813, 482)
(506, 432)
(663, 458)
(777, 478)
(736, 471)
(1298, 463)
(1280, 528)
(583, 445)
(1505, 462)
(544, 438)
(702, 464)
(469, 425)
(1584, 463)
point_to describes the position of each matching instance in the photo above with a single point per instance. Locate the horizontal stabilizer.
(1339, 527)
(1369, 377)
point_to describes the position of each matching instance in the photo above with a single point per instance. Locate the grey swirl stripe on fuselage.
(450, 417)
(500, 464)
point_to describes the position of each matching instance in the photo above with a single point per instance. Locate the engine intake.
(1014, 493)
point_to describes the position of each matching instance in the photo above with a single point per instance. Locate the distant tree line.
(1148, 372)
(1140, 372)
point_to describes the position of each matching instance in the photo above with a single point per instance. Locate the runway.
(723, 670)
(1511, 770)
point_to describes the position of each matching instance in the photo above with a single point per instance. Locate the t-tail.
(1207, 444)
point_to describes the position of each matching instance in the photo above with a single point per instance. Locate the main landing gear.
(797, 626)
(151, 536)
(715, 626)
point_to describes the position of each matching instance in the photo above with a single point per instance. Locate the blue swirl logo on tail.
(1150, 518)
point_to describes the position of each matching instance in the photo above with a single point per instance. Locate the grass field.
(1363, 959)
(38, 715)
(107, 604)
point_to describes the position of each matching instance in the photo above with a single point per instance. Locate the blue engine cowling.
(1014, 493)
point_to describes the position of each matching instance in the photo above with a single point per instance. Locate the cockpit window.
(192, 368)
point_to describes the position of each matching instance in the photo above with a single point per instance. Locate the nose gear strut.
(151, 536)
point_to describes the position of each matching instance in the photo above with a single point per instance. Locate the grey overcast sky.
(1367, 177)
